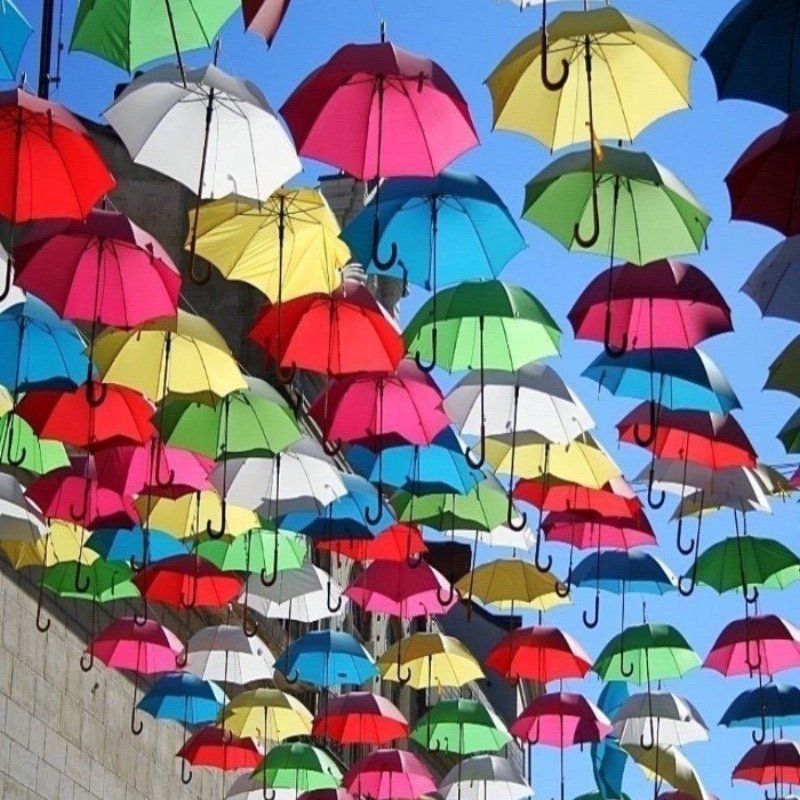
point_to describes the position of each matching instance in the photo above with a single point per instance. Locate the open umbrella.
(297, 766)
(398, 542)
(22, 449)
(668, 764)
(777, 703)
(775, 762)
(360, 718)
(266, 715)
(672, 721)
(479, 777)
(389, 775)
(217, 748)
(16, 30)
(225, 654)
(464, 727)
(773, 285)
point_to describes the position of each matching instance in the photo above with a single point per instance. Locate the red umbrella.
(552, 494)
(264, 16)
(664, 304)
(774, 762)
(561, 719)
(399, 542)
(389, 775)
(539, 654)
(51, 168)
(220, 749)
(122, 416)
(763, 182)
(360, 718)
(336, 334)
(188, 581)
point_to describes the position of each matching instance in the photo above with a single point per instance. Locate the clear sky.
(468, 38)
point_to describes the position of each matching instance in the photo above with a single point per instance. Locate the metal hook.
(382, 265)
(185, 779)
(593, 623)
(595, 235)
(611, 350)
(338, 607)
(428, 368)
(332, 449)
(751, 595)
(542, 567)
(515, 526)
(95, 400)
(214, 534)
(553, 86)
(646, 441)
(81, 586)
(679, 540)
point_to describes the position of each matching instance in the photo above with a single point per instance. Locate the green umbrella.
(130, 33)
(299, 767)
(644, 653)
(465, 727)
(790, 433)
(482, 325)
(257, 422)
(21, 448)
(638, 210)
(784, 372)
(741, 561)
(255, 551)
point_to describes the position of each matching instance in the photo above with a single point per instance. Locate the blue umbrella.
(135, 545)
(678, 379)
(325, 659)
(445, 230)
(621, 571)
(40, 350)
(608, 758)
(183, 697)
(439, 468)
(776, 701)
(755, 54)
(15, 31)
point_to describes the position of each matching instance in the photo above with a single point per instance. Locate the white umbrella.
(246, 788)
(225, 653)
(307, 481)
(484, 778)
(501, 536)
(685, 477)
(305, 595)
(20, 520)
(660, 718)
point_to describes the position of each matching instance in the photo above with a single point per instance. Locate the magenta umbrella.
(561, 719)
(664, 304)
(401, 590)
(264, 16)
(389, 775)
(146, 649)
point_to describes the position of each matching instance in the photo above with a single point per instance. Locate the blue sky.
(468, 38)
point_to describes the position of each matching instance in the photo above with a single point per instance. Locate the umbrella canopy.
(133, 545)
(360, 718)
(260, 549)
(183, 697)
(266, 715)
(672, 721)
(586, 530)
(222, 130)
(482, 324)
(447, 228)
(130, 34)
(777, 702)
(560, 720)
(774, 284)
(298, 766)
(389, 775)
(752, 54)
(64, 542)
(98, 582)
(629, 91)
(405, 115)
(286, 245)
(21, 448)
(644, 653)
(16, 30)
(147, 649)
(218, 749)
(668, 764)
(561, 196)
(398, 542)
(464, 727)
(772, 762)
(668, 304)
(224, 653)
(783, 370)
(678, 379)
(539, 654)
(325, 659)
(484, 776)
(264, 16)
(553, 494)
(619, 571)
(192, 514)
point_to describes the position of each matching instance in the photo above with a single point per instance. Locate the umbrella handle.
(563, 589)
(334, 609)
(646, 441)
(595, 234)
(96, 391)
(332, 449)
(679, 540)
(523, 522)
(655, 504)
(626, 672)
(751, 595)
(186, 778)
(247, 629)
(475, 464)
(611, 350)
(214, 534)
(557, 85)
(542, 567)
(378, 516)
(292, 679)
(759, 738)
(42, 627)
(170, 481)
(267, 794)
(23, 452)
(693, 572)
(136, 727)
(272, 579)
(428, 368)
(86, 665)
(768, 796)
(403, 679)
(285, 375)
(382, 265)
(437, 748)
(182, 658)
(81, 585)
(7, 282)
(140, 620)
(593, 622)
(652, 743)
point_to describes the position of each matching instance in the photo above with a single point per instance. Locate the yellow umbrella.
(582, 461)
(6, 401)
(191, 514)
(64, 542)
(181, 355)
(509, 584)
(638, 74)
(671, 765)
(423, 660)
(267, 715)
(285, 246)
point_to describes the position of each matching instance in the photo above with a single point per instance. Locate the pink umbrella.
(561, 719)
(146, 649)
(264, 16)
(389, 775)
(586, 529)
(401, 590)
(133, 470)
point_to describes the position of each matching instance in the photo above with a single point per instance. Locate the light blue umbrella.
(445, 230)
(15, 31)
(678, 379)
(325, 659)
(40, 350)
(183, 697)
(442, 467)
(134, 545)
(608, 758)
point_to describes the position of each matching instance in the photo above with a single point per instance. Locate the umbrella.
(68, 175)
(423, 660)
(389, 775)
(672, 721)
(219, 749)
(145, 649)
(325, 659)
(668, 304)
(297, 766)
(224, 653)
(623, 94)
(584, 530)
(16, 32)
(360, 718)
(773, 284)
(752, 54)
(782, 371)
(761, 182)
(264, 17)
(608, 758)
(398, 542)
(181, 355)
(611, 199)
(286, 246)
(266, 715)
(776, 702)
(463, 727)
(22, 449)
(260, 549)
(772, 762)
(555, 494)
(539, 654)
(129, 34)
(668, 764)
(448, 228)
(245, 787)
(479, 777)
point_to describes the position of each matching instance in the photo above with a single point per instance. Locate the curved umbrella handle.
(768, 796)
(272, 579)
(292, 678)
(332, 449)
(510, 523)
(626, 672)
(692, 578)
(286, 375)
(7, 280)
(267, 794)
(96, 392)
(679, 540)
(374, 519)
(448, 598)
(81, 586)
(87, 665)
(476, 464)
(541, 566)
(214, 534)
(753, 666)
(437, 748)
(42, 627)
(186, 778)
(693, 573)
(595, 234)
(758, 738)
(651, 501)
(593, 622)
(136, 727)
(249, 627)
(751, 594)
(19, 460)
(646, 441)
(428, 368)
(334, 609)
(182, 658)
(403, 680)
(611, 350)
(382, 265)
(564, 588)
(553, 86)
(140, 620)
(170, 481)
